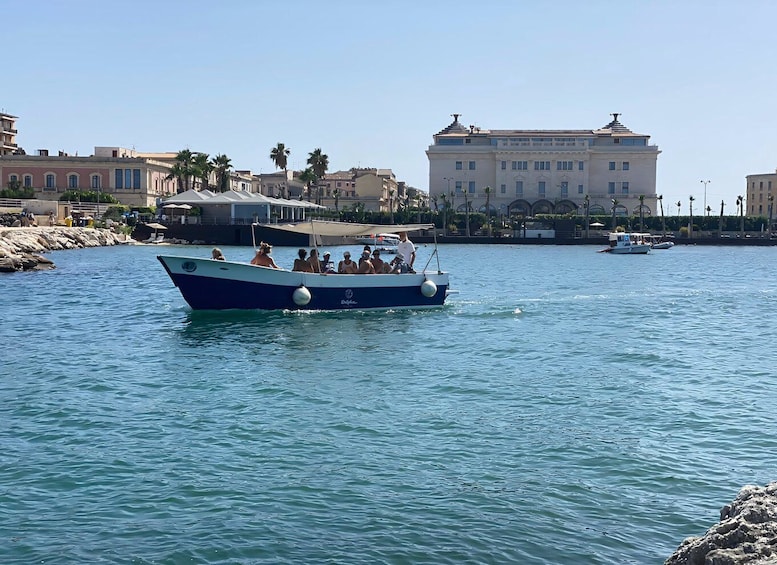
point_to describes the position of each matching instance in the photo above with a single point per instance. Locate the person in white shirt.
(406, 249)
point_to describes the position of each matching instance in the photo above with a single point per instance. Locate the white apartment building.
(533, 172)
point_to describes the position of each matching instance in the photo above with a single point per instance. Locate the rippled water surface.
(566, 406)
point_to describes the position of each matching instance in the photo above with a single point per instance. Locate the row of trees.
(190, 166)
(318, 165)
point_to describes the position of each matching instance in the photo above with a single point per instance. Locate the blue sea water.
(566, 406)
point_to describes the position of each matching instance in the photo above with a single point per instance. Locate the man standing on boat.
(406, 248)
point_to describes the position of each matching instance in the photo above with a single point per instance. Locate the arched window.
(96, 181)
(72, 181)
(13, 178)
(27, 181)
(51, 181)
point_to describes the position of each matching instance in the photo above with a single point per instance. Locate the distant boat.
(622, 243)
(385, 242)
(659, 242)
(207, 284)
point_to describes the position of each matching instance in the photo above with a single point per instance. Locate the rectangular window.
(580, 189)
(761, 185)
(515, 165)
(96, 181)
(541, 165)
(503, 188)
(564, 189)
(459, 165)
(519, 188)
(580, 165)
(541, 188)
(127, 178)
(50, 183)
(136, 178)
(504, 165)
(625, 165)
(472, 187)
(458, 187)
(610, 188)
(770, 185)
(72, 181)
(612, 165)
(472, 165)
(27, 181)
(564, 165)
(119, 178)
(625, 188)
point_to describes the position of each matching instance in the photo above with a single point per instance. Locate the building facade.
(761, 190)
(529, 172)
(8, 132)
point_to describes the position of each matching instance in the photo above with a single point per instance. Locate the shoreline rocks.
(20, 248)
(746, 533)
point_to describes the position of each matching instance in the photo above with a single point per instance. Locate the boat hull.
(637, 249)
(206, 284)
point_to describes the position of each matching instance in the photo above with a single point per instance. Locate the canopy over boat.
(322, 227)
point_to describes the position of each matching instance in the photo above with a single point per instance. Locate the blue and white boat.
(207, 284)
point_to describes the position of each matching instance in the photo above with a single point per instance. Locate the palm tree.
(690, 217)
(308, 177)
(201, 168)
(770, 198)
(222, 166)
(182, 170)
(660, 199)
(391, 204)
(720, 223)
(678, 208)
(641, 213)
(336, 193)
(488, 192)
(319, 162)
(741, 204)
(466, 213)
(444, 199)
(614, 207)
(586, 206)
(280, 156)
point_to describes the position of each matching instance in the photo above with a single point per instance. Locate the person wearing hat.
(327, 266)
(346, 266)
(262, 257)
(398, 265)
(365, 265)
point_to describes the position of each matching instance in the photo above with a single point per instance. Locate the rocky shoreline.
(746, 533)
(20, 248)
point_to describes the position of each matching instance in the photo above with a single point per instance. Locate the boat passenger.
(378, 264)
(217, 254)
(315, 264)
(407, 249)
(367, 250)
(398, 265)
(327, 266)
(262, 257)
(365, 265)
(346, 266)
(302, 264)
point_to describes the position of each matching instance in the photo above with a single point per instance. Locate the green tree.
(280, 156)
(488, 190)
(336, 193)
(182, 170)
(319, 162)
(222, 165)
(309, 178)
(201, 169)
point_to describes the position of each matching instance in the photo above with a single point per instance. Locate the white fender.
(301, 296)
(428, 288)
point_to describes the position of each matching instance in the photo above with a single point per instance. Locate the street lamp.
(705, 183)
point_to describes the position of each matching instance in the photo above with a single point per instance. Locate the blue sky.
(371, 82)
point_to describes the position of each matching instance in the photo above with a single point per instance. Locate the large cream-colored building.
(761, 190)
(543, 171)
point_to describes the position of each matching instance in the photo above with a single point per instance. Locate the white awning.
(320, 227)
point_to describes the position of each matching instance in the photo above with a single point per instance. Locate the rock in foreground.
(746, 533)
(20, 247)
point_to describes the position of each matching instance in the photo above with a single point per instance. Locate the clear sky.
(371, 82)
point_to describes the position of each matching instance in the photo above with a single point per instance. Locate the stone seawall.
(20, 248)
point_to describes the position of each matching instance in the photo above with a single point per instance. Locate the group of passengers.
(369, 262)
